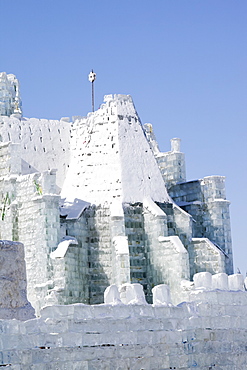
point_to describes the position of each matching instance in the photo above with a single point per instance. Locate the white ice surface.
(62, 248)
(120, 244)
(111, 158)
(161, 295)
(203, 280)
(220, 281)
(44, 143)
(176, 242)
(152, 207)
(112, 296)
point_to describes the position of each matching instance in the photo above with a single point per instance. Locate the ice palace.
(127, 265)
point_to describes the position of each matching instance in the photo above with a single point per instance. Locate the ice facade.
(104, 216)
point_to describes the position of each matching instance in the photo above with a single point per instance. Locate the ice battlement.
(206, 331)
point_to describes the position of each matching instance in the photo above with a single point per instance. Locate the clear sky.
(183, 61)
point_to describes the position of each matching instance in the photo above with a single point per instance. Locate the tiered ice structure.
(96, 203)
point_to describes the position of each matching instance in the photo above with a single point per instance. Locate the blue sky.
(183, 62)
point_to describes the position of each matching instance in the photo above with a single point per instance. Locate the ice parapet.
(203, 280)
(220, 281)
(161, 295)
(132, 294)
(236, 282)
(111, 295)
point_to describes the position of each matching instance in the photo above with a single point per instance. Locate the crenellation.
(207, 333)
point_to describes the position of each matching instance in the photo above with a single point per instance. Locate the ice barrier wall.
(207, 332)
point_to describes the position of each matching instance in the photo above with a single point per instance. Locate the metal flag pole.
(92, 78)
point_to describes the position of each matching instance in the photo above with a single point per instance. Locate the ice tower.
(10, 100)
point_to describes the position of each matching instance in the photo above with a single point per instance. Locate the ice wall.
(208, 332)
(44, 144)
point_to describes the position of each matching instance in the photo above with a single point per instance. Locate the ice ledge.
(72, 209)
(152, 207)
(62, 247)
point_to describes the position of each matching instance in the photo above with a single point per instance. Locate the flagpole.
(92, 78)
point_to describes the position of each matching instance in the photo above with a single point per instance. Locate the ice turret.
(10, 100)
